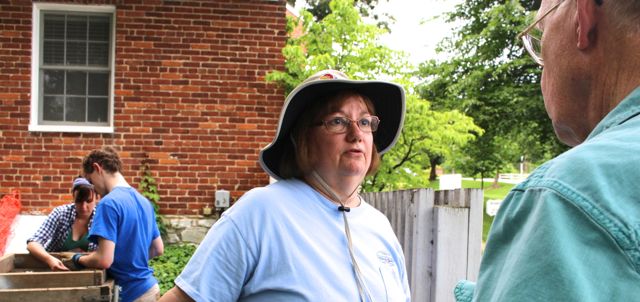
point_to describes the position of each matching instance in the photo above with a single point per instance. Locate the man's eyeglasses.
(340, 124)
(532, 36)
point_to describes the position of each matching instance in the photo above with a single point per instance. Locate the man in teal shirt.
(571, 231)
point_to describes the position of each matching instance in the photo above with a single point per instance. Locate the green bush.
(168, 266)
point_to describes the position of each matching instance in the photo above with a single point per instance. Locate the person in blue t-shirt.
(124, 227)
(310, 236)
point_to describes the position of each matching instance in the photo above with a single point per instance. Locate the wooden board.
(24, 278)
(6, 263)
(102, 293)
(51, 279)
(23, 262)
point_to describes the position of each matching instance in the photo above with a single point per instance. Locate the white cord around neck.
(362, 287)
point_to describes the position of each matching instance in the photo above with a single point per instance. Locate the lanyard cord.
(362, 288)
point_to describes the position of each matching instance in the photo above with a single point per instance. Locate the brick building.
(178, 85)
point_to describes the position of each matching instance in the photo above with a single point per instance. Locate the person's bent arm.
(157, 248)
(102, 258)
(175, 295)
(37, 250)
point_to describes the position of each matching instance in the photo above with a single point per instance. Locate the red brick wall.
(190, 100)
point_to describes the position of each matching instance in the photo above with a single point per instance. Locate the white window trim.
(35, 68)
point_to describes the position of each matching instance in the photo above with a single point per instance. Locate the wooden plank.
(399, 214)
(421, 266)
(27, 261)
(474, 254)
(450, 263)
(51, 279)
(6, 263)
(383, 207)
(407, 245)
(68, 294)
(393, 204)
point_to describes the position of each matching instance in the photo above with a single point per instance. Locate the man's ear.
(96, 167)
(586, 21)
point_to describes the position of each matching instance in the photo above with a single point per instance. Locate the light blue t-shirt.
(127, 218)
(571, 231)
(286, 242)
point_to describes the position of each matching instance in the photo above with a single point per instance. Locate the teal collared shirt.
(571, 231)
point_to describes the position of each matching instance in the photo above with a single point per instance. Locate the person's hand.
(67, 260)
(56, 264)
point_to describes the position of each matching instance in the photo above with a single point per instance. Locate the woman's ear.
(586, 22)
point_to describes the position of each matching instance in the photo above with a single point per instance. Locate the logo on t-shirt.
(385, 258)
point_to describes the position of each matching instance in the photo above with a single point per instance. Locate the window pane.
(53, 81)
(53, 52)
(76, 53)
(99, 54)
(76, 108)
(75, 68)
(99, 29)
(77, 28)
(52, 108)
(76, 83)
(53, 26)
(99, 84)
(98, 110)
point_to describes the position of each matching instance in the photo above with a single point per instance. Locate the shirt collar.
(628, 108)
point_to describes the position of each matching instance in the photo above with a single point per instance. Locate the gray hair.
(625, 15)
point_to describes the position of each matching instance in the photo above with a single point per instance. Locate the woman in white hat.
(310, 236)
(67, 227)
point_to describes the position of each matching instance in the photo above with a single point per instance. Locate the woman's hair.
(82, 193)
(106, 157)
(300, 151)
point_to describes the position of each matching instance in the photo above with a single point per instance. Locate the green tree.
(490, 78)
(340, 41)
(428, 137)
(344, 42)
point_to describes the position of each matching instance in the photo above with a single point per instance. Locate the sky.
(419, 26)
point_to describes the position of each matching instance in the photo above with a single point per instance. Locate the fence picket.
(440, 233)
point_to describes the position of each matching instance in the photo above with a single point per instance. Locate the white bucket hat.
(387, 98)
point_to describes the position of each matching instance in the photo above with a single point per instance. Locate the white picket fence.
(440, 233)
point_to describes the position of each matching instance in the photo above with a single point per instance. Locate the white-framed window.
(72, 68)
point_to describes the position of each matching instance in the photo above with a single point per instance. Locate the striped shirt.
(55, 229)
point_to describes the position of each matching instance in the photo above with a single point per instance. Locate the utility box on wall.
(222, 199)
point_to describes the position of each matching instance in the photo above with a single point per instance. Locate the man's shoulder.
(121, 192)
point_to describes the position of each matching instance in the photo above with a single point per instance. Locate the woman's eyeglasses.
(341, 124)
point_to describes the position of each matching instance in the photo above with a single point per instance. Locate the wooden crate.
(23, 278)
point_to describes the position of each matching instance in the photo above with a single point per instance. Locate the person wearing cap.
(124, 227)
(310, 236)
(67, 227)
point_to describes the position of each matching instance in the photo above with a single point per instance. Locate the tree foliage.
(343, 41)
(427, 138)
(492, 79)
(339, 41)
